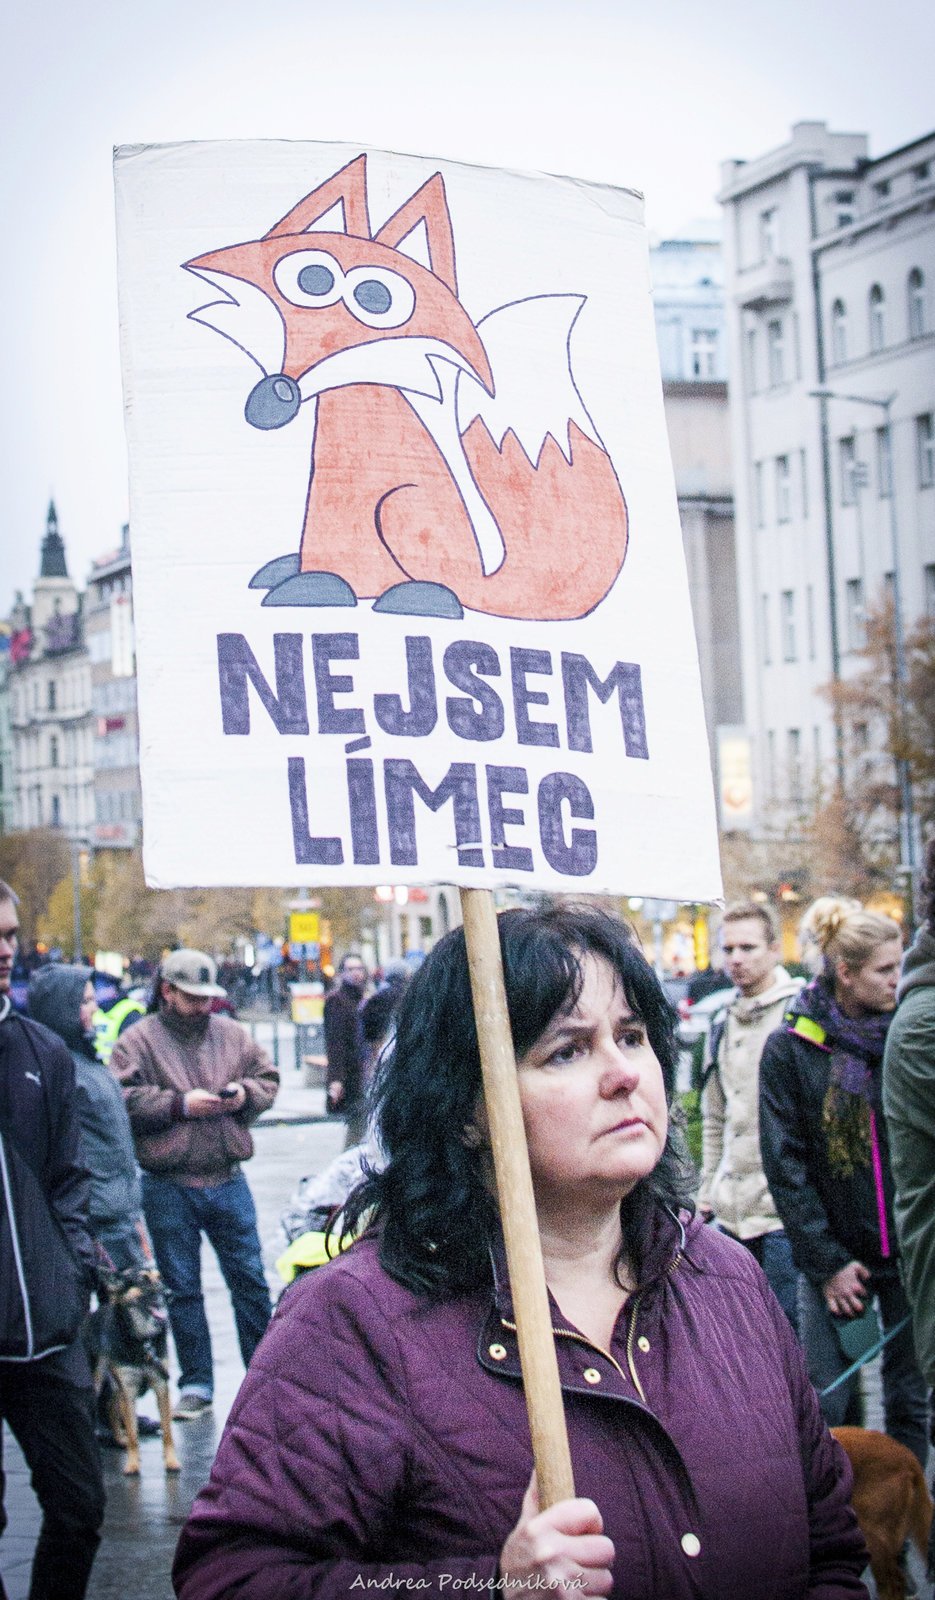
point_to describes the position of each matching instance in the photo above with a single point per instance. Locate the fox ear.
(347, 188)
(429, 205)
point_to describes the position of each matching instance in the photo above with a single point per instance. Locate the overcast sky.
(652, 97)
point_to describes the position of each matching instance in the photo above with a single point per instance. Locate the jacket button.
(643, 1343)
(591, 1375)
(691, 1544)
(498, 1351)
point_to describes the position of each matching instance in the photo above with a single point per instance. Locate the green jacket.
(909, 1105)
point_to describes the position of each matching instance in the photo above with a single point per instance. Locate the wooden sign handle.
(517, 1204)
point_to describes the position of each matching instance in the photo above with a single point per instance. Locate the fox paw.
(419, 599)
(311, 589)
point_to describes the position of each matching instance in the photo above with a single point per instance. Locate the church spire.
(53, 548)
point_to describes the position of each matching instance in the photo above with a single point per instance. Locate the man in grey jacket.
(63, 999)
(733, 1186)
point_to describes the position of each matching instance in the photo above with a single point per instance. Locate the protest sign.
(410, 597)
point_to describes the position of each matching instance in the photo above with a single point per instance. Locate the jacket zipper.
(17, 1254)
(566, 1333)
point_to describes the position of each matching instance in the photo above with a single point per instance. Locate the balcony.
(769, 283)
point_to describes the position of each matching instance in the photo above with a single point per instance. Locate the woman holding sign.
(380, 1438)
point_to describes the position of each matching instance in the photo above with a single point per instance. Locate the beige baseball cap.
(193, 972)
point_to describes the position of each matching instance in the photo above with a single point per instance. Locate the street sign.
(304, 927)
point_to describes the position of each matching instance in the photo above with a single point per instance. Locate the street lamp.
(903, 774)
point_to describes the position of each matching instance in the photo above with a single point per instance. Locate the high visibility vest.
(107, 1025)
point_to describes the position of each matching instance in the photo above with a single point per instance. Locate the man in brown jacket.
(193, 1083)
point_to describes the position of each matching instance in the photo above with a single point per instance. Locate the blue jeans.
(905, 1395)
(176, 1217)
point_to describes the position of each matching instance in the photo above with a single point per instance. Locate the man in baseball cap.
(193, 1083)
(192, 972)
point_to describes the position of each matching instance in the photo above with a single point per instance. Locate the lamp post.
(904, 778)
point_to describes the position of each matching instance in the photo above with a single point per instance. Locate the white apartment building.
(49, 686)
(109, 635)
(830, 278)
(688, 303)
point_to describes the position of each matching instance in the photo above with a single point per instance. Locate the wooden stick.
(517, 1203)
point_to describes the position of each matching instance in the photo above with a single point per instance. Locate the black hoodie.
(39, 1121)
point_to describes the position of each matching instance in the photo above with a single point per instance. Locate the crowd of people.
(706, 1325)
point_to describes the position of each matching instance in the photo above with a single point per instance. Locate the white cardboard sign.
(410, 597)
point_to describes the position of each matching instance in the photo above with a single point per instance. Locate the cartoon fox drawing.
(453, 463)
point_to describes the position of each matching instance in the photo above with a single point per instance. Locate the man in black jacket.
(46, 1395)
(344, 1047)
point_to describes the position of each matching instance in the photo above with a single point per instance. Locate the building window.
(844, 208)
(750, 347)
(764, 624)
(771, 764)
(876, 305)
(794, 753)
(787, 624)
(856, 616)
(838, 333)
(810, 620)
(915, 291)
(925, 450)
(769, 234)
(53, 751)
(881, 191)
(803, 481)
(51, 694)
(776, 351)
(56, 818)
(783, 490)
(884, 463)
(847, 466)
(704, 353)
(759, 504)
(928, 578)
(922, 172)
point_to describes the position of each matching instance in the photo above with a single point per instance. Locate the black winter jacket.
(39, 1121)
(830, 1220)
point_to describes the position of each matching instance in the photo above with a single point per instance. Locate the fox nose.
(273, 402)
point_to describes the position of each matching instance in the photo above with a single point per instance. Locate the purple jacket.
(378, 1438)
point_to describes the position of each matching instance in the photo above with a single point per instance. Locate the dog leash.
(868, 1355)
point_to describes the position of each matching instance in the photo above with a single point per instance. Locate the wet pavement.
(145, 1514)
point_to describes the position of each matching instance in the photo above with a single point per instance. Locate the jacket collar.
(656, 1238)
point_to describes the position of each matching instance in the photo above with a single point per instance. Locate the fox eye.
(378, 297)
(309, 278)
(315, 279)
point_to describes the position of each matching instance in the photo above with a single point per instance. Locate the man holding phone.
(193, 1083)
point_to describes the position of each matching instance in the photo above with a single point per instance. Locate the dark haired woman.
(380, 1437)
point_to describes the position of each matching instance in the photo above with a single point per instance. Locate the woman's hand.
(846, 1293)
(562, 1546)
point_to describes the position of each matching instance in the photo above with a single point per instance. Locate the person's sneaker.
(189, 1406)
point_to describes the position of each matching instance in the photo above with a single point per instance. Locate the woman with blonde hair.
(827, 1163)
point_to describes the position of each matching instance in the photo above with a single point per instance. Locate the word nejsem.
(486, 687)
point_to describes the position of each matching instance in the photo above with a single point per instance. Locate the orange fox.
(420, 497)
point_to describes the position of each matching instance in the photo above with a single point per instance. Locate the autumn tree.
(878, 729)
(34, 862)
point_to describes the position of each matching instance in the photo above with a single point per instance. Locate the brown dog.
(892, 1503)
(126, 1337)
